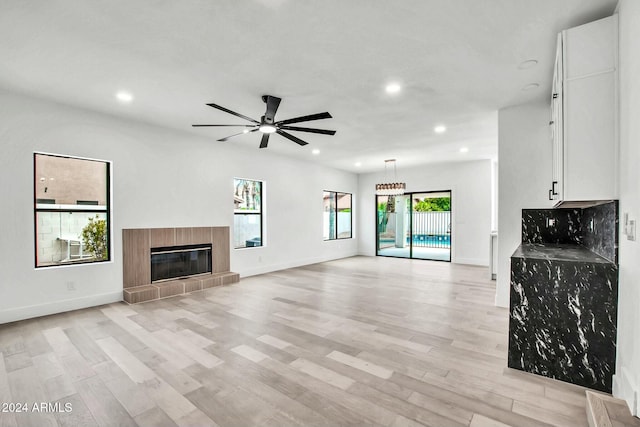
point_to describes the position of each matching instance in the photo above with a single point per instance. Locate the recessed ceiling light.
(464, 150)
(531, 86)
(124, 96)
(392, 88)
(245, 131)
(440, 129)
(357, 164)
(529, 63)
(315, 151)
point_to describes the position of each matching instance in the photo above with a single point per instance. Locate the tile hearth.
(136, 294)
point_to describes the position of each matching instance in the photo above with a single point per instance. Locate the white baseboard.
(297, 263)
(625, 388)
(31, 311)
(471, 261)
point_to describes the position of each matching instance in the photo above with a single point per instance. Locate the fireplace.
(181, 259)
(171, 262)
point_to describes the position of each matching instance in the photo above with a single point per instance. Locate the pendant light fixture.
(390, 188)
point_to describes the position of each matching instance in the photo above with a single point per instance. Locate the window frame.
(79, 208)
(259, 214)
(335, 195)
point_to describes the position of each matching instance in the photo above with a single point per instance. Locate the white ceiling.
(457, 61)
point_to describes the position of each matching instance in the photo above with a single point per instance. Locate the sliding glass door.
(431, 225)
(393, 226)
(414, 225)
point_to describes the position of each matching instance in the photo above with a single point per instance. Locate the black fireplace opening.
(172, 262)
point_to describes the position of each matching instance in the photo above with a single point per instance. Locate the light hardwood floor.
(357, 341)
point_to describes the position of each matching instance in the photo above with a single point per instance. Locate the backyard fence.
(430, 229)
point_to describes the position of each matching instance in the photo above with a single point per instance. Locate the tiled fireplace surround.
(136, 251)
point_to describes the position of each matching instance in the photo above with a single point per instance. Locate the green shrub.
(94, 237)
(433, 204)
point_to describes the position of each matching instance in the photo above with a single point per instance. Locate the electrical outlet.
(631, 230)
(591, 225)
(71, 286)
(551, 222)
(625, 223)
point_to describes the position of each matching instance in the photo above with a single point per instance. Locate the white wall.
(524, 179)
(161, 178)
(470, 184)
(627, 378)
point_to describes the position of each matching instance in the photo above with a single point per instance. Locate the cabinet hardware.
(555, 95)
(550, 195)
(553, 188)
(551, 122)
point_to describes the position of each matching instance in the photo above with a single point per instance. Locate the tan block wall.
(69, 180)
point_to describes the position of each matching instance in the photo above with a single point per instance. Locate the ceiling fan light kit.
(267, 128)
(267, 124)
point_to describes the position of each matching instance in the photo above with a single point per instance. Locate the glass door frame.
(410, 194)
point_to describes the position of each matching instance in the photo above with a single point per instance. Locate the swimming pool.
(431, 240)
(425, 240)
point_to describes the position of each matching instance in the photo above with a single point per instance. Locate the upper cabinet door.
(590, 49)
(590, 154)
(557, 124)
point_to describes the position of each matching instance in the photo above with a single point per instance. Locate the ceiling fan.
(267, 124)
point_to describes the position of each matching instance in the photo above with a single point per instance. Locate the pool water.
(428, 240)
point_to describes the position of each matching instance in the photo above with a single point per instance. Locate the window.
(72, 215)
(337, 215)
(247, 218)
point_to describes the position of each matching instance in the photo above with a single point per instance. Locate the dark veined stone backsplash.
(595, 228)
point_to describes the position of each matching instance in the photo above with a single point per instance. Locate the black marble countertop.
(558, 252)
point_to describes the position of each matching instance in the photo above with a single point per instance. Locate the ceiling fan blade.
(196, 126)
(299, 129)
(291, 137)
(264, 141)
(272, 106)
(226, 110)
(318, 116)
(236, 134)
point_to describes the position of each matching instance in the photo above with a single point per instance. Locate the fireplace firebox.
(171, 262)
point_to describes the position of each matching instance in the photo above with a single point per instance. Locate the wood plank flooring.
(353, 342)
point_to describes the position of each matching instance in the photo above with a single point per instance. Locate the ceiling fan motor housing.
(267, 124)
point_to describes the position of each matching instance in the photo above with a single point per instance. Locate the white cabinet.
(556, 125)
(583, 122)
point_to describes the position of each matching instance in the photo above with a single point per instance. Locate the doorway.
(414, 225)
